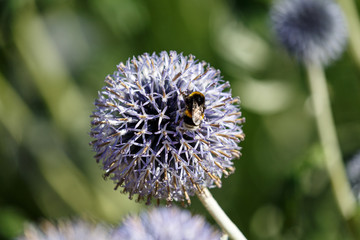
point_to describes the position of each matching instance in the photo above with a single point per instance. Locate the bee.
(194, 110)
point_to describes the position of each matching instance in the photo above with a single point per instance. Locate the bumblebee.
(194, 110)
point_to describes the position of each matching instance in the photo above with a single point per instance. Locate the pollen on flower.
(139, 134)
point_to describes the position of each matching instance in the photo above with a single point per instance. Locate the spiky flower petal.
(164, 224)
(140, 138)
(310, 30)
(66, 230)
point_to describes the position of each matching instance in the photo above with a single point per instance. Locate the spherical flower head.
(353, 173)
(140, 136)
(313, 31)
(69, 230)
(164, 224)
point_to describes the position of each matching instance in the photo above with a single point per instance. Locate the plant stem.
(329, 141)
(219, 215)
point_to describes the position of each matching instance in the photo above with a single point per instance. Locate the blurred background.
(54, 56)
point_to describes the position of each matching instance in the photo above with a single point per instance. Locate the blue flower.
(140, 136)
(64, 230)
(353, 173)
(164, 224)
(311, 30)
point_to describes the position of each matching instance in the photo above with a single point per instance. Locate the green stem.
(219, 215)
(329, 141)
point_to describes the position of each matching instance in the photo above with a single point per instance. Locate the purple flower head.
(310, 30)
(353, 173)
(66, 230)
(140, 136)
(164, 224)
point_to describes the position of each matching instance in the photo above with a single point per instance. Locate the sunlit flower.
(164, 224)
(353, 173)
(66, 230)
(310, 30)
(140, 136)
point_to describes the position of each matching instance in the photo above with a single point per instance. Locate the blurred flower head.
(311, 30)
(139, 131)
(353, 173)
(66, 230)
(164, 224)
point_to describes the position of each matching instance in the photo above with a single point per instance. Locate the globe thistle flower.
(166, 223)
(69, 230)
(140, 136)
(353, 173)
(310, 30)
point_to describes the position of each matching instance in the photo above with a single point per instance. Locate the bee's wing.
(197, 113)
